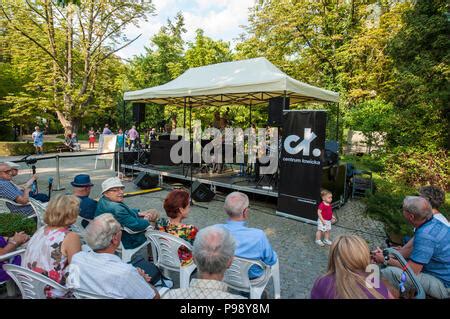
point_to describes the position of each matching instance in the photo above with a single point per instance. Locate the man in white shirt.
(103, 273)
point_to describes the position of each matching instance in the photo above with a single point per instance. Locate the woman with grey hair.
(213, 254)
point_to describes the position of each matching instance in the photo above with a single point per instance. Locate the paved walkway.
(301, 260)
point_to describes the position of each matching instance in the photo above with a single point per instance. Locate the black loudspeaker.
(138, 112)
(201, 192)
(146, 180)
(276, 110)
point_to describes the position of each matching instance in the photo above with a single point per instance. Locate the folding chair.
(237, 277)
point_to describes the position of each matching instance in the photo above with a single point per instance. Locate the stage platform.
(228, 180)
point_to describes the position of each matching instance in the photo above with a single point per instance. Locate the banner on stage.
(303, 150)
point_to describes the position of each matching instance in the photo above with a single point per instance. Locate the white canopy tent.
(245, 82)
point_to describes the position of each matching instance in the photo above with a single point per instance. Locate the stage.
(229, 179)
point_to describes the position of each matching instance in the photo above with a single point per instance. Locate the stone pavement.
(301, 260)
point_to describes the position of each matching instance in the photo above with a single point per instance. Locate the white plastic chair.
(10, 287)
(39, 208)
(30, 283)
(165, 254)
(4, 200)
(78, 228)
(127, 254)
(237, 277)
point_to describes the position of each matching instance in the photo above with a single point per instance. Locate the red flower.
(53, 274)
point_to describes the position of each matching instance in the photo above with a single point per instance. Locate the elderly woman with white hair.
(101, 272)
(213, 254)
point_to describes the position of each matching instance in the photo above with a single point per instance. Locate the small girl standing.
(91, 134)
(325, 214)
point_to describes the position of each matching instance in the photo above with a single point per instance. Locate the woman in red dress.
(91, 134)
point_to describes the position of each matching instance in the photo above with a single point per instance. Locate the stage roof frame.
(244, 82)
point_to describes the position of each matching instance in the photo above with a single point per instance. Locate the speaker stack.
(276, 107)
(138, 112)
(201, 192)
(146, 180)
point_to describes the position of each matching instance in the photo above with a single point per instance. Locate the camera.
(30, 161)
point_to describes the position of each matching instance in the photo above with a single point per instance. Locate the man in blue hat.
(82, 188)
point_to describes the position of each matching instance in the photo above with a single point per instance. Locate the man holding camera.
(12, 192)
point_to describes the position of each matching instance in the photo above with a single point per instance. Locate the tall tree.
(421, 88)
(77, 37)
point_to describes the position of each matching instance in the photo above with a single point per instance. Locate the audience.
(430, 256)
(252, 243)
(10, 191)
(436, 197)
(112, 202)
(106, 130)
(38, 196)
(82, 188)
(213, 254)
(346, 275)
(51, 248)
(177, 207)
(102, 272)
(8, 245)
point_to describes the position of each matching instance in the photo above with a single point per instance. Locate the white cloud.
(220, 20)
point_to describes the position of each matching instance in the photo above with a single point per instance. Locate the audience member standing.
(106, 130)
(91, 134)
(133, 135)
(38, 140)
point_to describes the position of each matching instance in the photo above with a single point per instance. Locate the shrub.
(385, 205)
(11, 223)
(24, 148)
(418, 167)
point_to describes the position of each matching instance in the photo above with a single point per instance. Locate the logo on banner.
(294, 146)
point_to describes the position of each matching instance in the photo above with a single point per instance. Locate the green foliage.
(385, 205)
(12, 223)
(418, 167)
(420, 52)
(372, 118)
(24, 148)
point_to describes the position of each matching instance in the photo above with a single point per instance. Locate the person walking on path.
(38, 140)
(91, 134)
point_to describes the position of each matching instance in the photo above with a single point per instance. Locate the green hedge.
(24, 148)
(11, 223)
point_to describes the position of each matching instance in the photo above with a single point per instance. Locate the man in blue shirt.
(82, 188)
(251, 243)
(430, 256)
(12, 192)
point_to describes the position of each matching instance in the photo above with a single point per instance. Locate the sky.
(220, 20)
